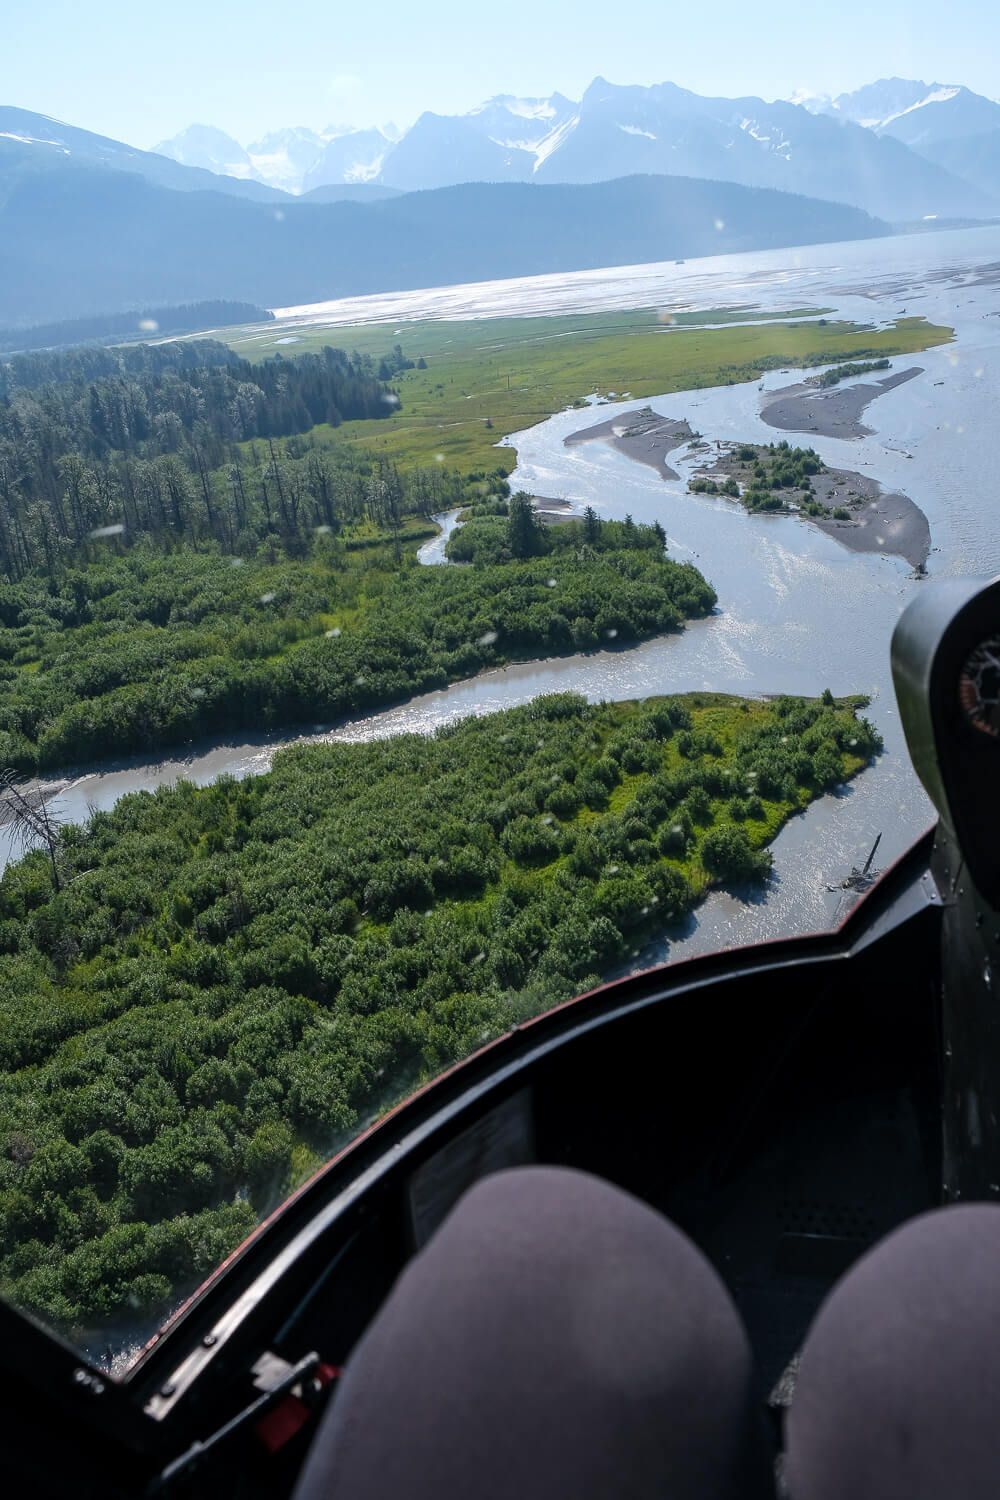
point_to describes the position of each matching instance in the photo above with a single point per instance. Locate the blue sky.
(141, 72)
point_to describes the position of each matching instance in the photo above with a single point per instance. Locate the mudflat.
(643, 436)
(553, 512)
(829, 413)
(879, 522)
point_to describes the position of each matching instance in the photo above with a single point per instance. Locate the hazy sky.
(142, 71)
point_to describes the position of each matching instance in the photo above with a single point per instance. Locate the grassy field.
(437, 336)
(488, 378)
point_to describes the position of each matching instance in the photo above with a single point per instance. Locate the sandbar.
(641, 435)
(835, 412)
(553, 512)
(877, 521)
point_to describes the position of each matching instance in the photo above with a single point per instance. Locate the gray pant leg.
(556, 1339)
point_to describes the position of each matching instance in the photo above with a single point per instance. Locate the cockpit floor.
(790, 1220)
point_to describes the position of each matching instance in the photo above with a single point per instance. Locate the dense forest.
(175, 573)
(151, 649)
(174, 441)
(232, 979)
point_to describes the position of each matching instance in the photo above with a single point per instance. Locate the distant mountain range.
(919, 114)
(895, 148)
(77, 240)
(295, 160)
(31, 144)
(89, 225)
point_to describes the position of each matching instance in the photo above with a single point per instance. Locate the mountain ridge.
(616, 130)
(90, 242)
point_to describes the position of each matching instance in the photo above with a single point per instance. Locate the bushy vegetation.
(234, 978)
(151, 649)
(776, 470)
(770, 475)
(503, 531)
(727, 487)
(849, 371)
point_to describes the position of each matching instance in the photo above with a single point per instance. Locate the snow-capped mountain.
(520, 124)
(870, 106)
(284, 157)
(887, 148)
(912, 111)
(35, 143)
(348, 156)
(296, 159)
(666, 129)
(616, 131)
(504, 140)
(945, 113)
(211, 149)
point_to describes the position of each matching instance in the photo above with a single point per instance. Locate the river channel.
(797, 611)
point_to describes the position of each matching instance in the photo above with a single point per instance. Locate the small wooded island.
(776, 478)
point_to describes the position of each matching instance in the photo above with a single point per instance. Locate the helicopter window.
(428, 593)
(502, 1138)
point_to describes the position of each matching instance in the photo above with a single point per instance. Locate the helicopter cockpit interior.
(786, 1106)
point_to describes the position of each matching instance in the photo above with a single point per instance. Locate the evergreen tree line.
(155, 449)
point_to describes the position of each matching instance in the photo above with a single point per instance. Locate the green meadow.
(488, 378)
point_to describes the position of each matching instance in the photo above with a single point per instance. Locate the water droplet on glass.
(267, 598)
(611, 632)
(489, 638)
(332, 635)
(99, 531)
